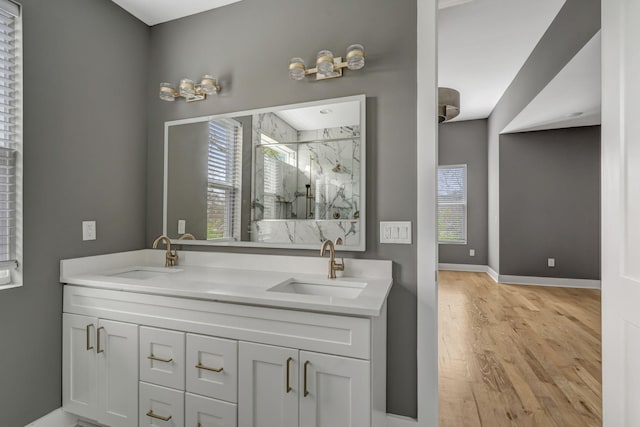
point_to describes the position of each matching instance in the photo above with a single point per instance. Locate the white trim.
(549, 281)
(56, 418)
(399, 421)
(464, 267)
(426, 237)
(493, 274)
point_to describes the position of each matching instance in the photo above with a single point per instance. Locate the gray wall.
(188, 178)
(550, 203)
(248, 45)
(466, 143)
(577, 22)
(85, 68)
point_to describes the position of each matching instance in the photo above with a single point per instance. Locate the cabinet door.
(338, 391)
(162, 357)
(79, 363)
(205, 412)
(267, 386)
(117, 349)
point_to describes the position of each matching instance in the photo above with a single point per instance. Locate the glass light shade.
(167, 92)
(187, 88)
(324, 61)
(355, 57)
(296, 68)
(208, 85)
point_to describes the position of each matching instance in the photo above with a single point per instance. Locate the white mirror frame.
(361, 247)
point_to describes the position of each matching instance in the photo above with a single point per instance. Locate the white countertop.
(235, 278)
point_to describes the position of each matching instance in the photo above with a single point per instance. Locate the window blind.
(9, 115)
(224, 178)
(452, 204)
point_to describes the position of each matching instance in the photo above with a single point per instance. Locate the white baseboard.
(493, 274)
(463, 267)
(56, 418)
(522, 280)
(399, 421)
(550, 281)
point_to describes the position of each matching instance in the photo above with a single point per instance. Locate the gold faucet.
(333, 264)
(171, 257)
(187, 236)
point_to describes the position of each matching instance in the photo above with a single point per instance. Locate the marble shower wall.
(326, 159)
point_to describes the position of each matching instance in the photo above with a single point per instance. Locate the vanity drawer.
(161, 406)
(162, 357)
(212, 367)
(206, 412)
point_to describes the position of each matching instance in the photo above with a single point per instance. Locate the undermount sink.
(329, 288)
(142, 273)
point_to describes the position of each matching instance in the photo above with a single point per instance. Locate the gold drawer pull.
(288, 387)
(206, 368)
(89, 346)
(157, 417)
(159, 359)
(306, 392)
(100, 350)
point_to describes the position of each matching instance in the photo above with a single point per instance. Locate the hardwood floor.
(517, 355)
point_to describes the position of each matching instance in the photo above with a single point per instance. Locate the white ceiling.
(153, 12)
(484, 43)
(576, 89)
(310, 118)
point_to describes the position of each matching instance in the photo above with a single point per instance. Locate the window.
(10, 144)
(275, 157)
(452, 204)
(224, 180)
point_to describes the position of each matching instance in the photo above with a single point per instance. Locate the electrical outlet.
(472, 252)
(88, 230)
(551, 262)
(182, 226)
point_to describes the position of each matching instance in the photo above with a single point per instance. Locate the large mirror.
(289, 176)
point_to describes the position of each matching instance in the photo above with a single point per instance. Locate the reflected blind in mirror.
(224, 179)
(9, 104)
(452, 204)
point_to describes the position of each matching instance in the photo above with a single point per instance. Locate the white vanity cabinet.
(100, 369)
(290, 388)
(212, 364)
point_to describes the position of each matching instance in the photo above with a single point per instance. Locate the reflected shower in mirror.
(278, 177)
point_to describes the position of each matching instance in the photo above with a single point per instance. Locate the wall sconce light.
(328, 67)
(189, 90)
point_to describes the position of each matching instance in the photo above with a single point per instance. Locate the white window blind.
(452, 204)
(10, 143)
(224, 179)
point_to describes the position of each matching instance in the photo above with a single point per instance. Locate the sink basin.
(328, 288)
(142, 273)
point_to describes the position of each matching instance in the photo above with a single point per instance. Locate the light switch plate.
(88, 230)
(551, 262)
(396, 232)
(182, 226)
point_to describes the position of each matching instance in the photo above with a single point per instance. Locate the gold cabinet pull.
(206, 368)
(159, 359)
(89, 346)
(288, 388)
(100, 350)
(158, 417)
(306, 392)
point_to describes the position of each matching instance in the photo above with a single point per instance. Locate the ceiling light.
(448, 104)
(328, 66)
(326, 111)
(189, 90)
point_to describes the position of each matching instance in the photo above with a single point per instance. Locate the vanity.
(224, 340)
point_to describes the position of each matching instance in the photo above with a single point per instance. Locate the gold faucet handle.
(339, 241)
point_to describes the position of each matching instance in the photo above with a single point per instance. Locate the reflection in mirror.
(279, 177)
